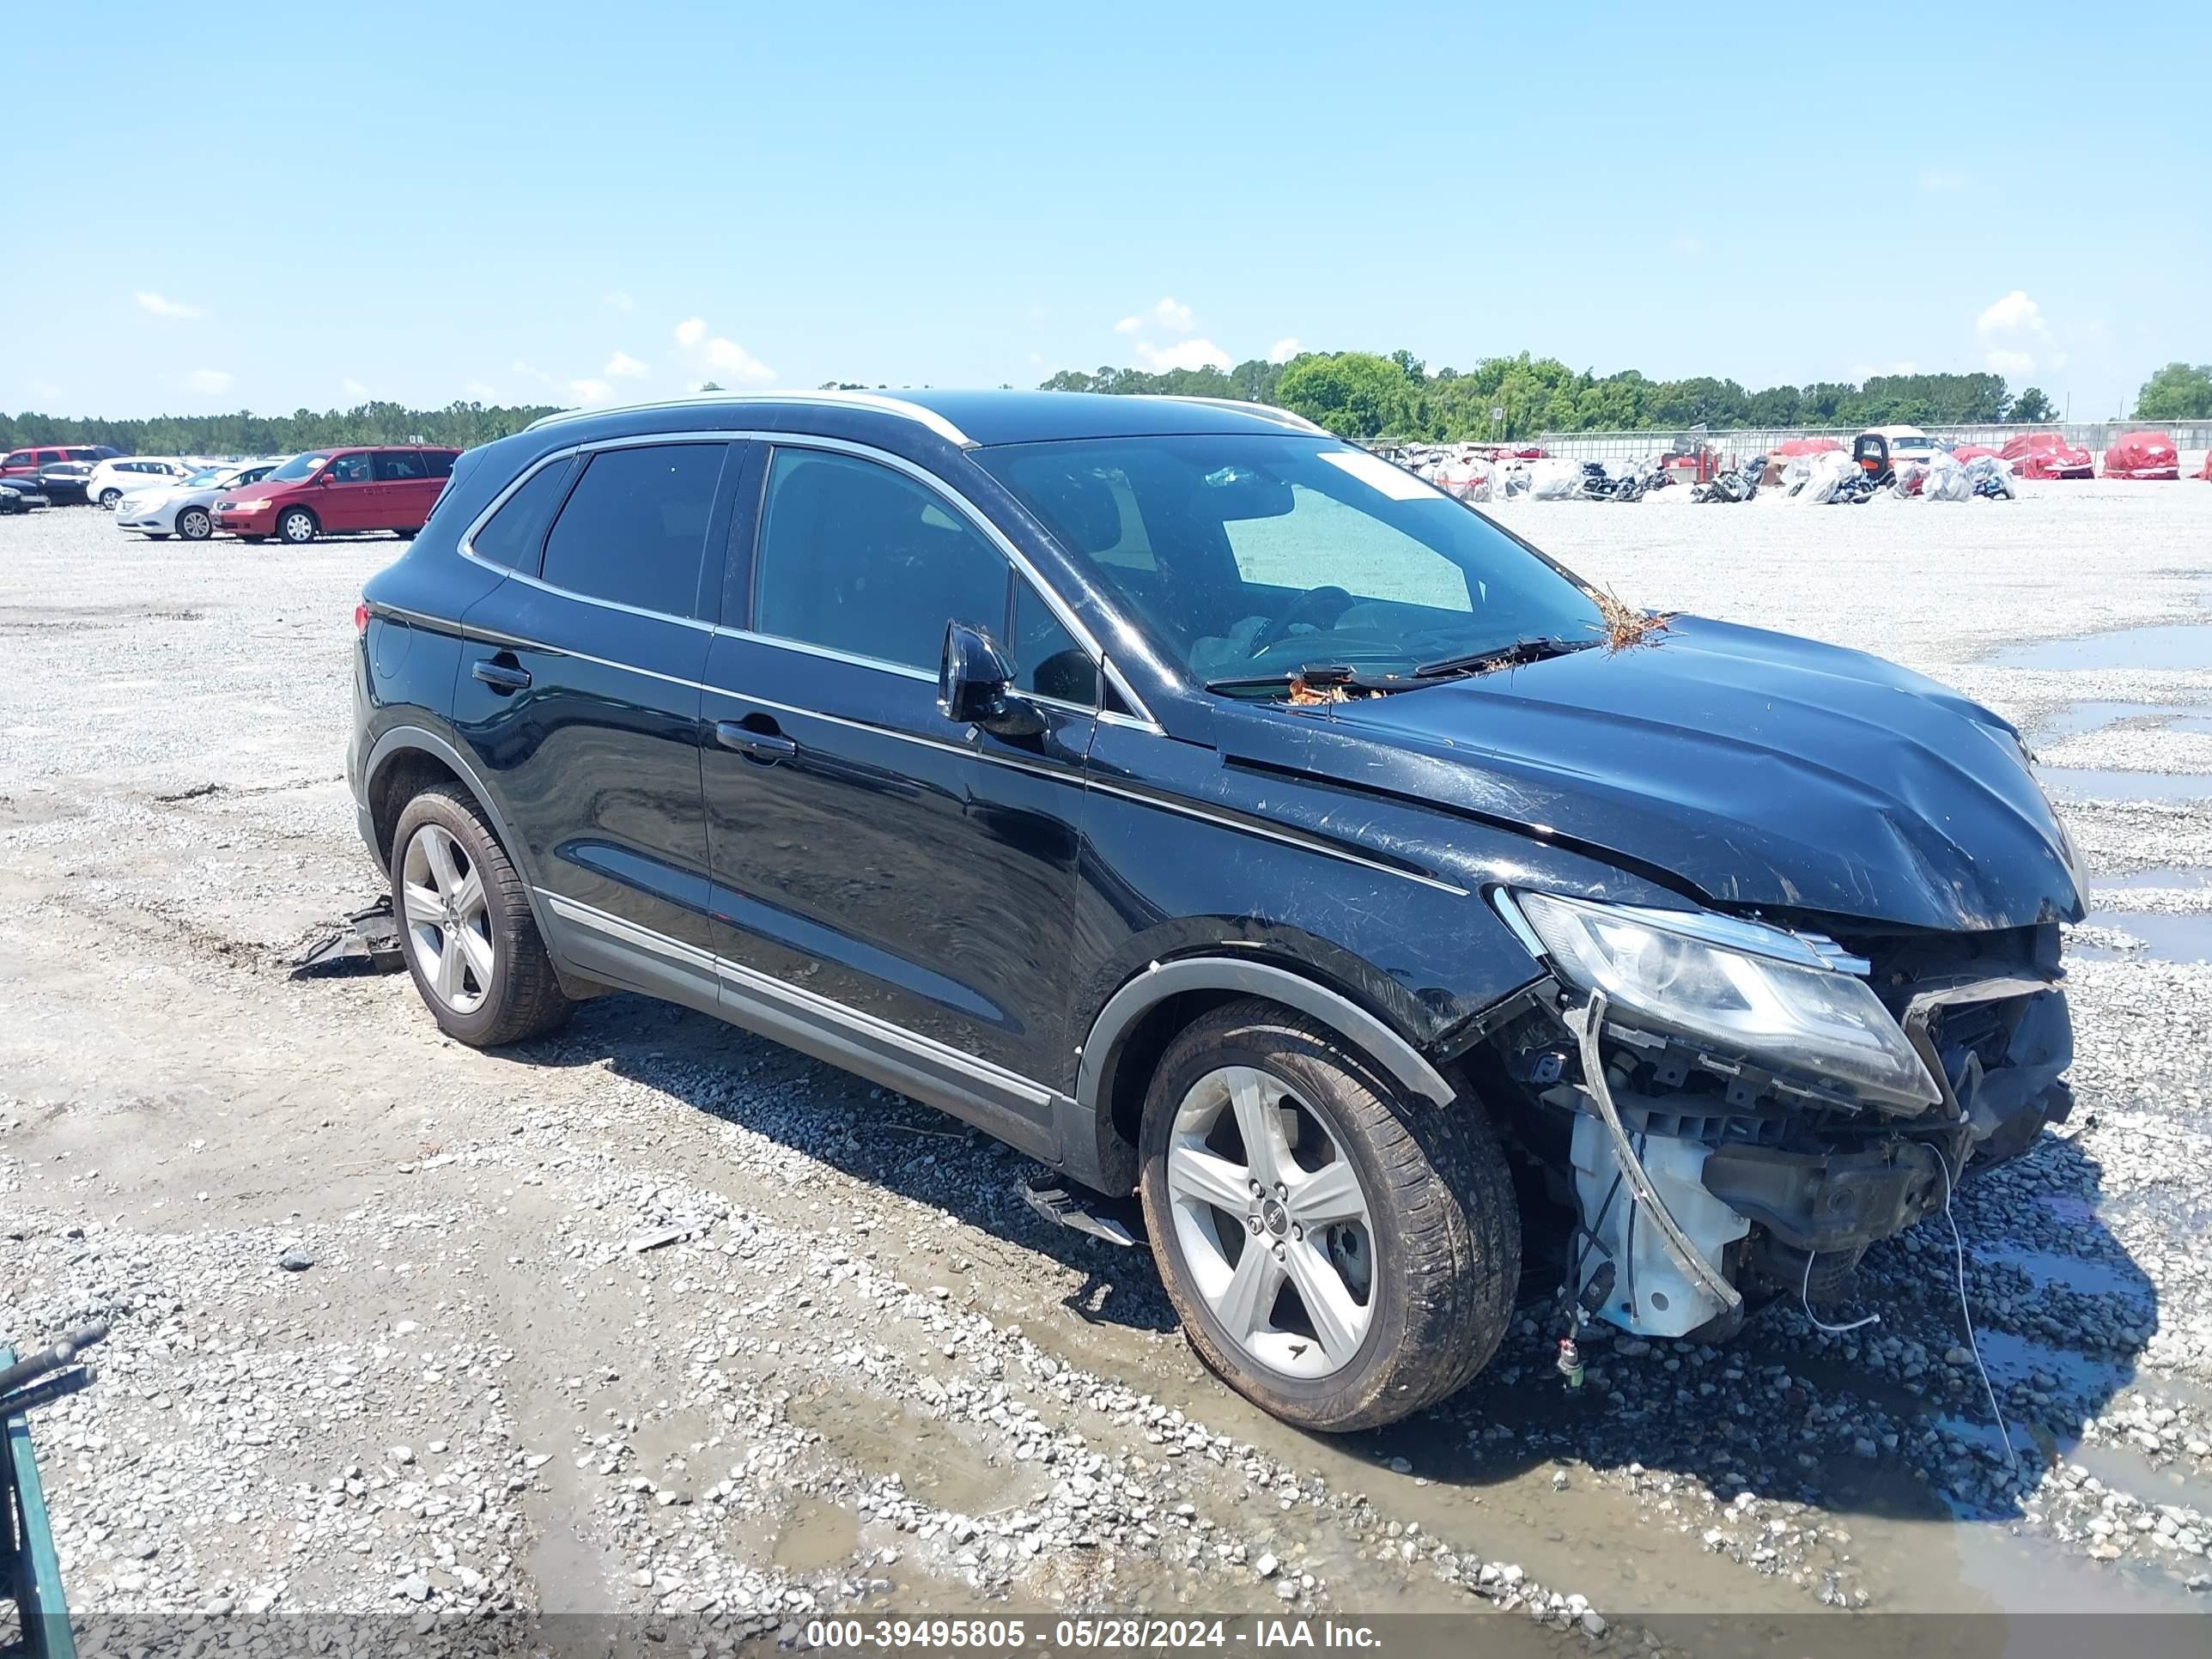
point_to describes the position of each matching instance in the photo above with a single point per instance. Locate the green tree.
(2179, 392)
(2031, 407)
(1355, 394)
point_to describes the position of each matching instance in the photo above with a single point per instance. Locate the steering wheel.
(1306, 607)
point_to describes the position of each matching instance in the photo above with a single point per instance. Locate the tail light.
(360, 616)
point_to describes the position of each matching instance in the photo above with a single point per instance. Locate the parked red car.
(340, 492)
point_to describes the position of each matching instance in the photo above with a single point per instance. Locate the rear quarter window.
(633, 529)
(513, 536)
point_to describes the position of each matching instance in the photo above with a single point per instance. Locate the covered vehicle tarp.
(1988, 475)
(2046, 455)
(1822, 474)
(1965, 453)
(1468, 479)
(1554, 480)
(1944, 480)
(1790, 447)
(2206, 472)
(2150, 456)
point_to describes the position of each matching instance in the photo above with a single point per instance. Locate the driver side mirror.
(973, 681)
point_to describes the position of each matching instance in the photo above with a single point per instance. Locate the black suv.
(1220, 814)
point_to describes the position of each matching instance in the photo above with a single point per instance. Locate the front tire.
(1341, 1254)
(296, 526)
(195, 524)
(470, 940)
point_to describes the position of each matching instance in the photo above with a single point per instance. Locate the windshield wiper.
(1500, 656)
(1318, 676)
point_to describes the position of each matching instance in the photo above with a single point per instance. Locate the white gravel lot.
(864, 1375)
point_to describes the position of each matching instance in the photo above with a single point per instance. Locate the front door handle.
(502, 677)
(769, 746)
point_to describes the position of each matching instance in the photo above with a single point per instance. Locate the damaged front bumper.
(1697, 1175)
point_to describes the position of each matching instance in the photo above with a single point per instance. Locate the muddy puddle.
(2169, 645)
(2185, 876)
(2164, 937)
(2109, 783)
(2075, 1273)
(2078, 719)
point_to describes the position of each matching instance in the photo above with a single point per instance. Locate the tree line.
(1358, 394)
(1355, 393)
(462, 425)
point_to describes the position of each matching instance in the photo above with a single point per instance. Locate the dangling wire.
(1973, 1343)
(1805, 1299)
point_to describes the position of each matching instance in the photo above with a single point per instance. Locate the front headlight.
(1766, 995)
(243, 507)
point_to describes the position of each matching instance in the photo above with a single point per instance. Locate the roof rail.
(898, 406)
(1265, 411)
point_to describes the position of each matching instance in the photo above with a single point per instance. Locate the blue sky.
(569, 203)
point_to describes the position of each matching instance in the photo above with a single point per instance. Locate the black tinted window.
(1047, 658)
(633, 526)
(859, 558)
(439, 463)
(399, 465)
(514, 534)
(351, 469)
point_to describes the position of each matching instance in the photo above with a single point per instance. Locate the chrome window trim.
(870, 400)
(974, 516)
(803, 1000)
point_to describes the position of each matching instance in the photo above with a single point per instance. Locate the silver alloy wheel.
(193, 524)
(448, 919)
(1272, 1224)
(297, 526)
(110, 497)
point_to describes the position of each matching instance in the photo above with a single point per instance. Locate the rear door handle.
(502, 677)
(768, 746)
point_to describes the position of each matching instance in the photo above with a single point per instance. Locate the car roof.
(971, 419)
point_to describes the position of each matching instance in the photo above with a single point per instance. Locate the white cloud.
(161, 306)
(2013, 330)
(1128, 326)
(483, 390)
(1172, 314)
(622, 366)
(1941, 180)
(731, 362)
(619, 301)
(355, 388)
(213, 381)
(1284, 349)
(691, 331)
(1186, 354)
(589, 392)
(2014, 314)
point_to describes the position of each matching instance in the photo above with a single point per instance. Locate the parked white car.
(111, 481)
(185, 508)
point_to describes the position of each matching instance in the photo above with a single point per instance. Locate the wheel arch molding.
(394, 747)
(1100, 1152)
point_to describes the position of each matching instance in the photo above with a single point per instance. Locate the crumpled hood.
(1764, 770)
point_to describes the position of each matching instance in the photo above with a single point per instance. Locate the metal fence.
(2092, 435)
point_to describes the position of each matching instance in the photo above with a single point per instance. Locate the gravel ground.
(657, 1318)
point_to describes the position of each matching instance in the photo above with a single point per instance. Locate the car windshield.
(213, 475)
(1248, 556)
(299, 467)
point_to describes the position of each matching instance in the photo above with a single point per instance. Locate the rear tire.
(1441, 1254)
(465, 924)
(109, 497)
(296, 526)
